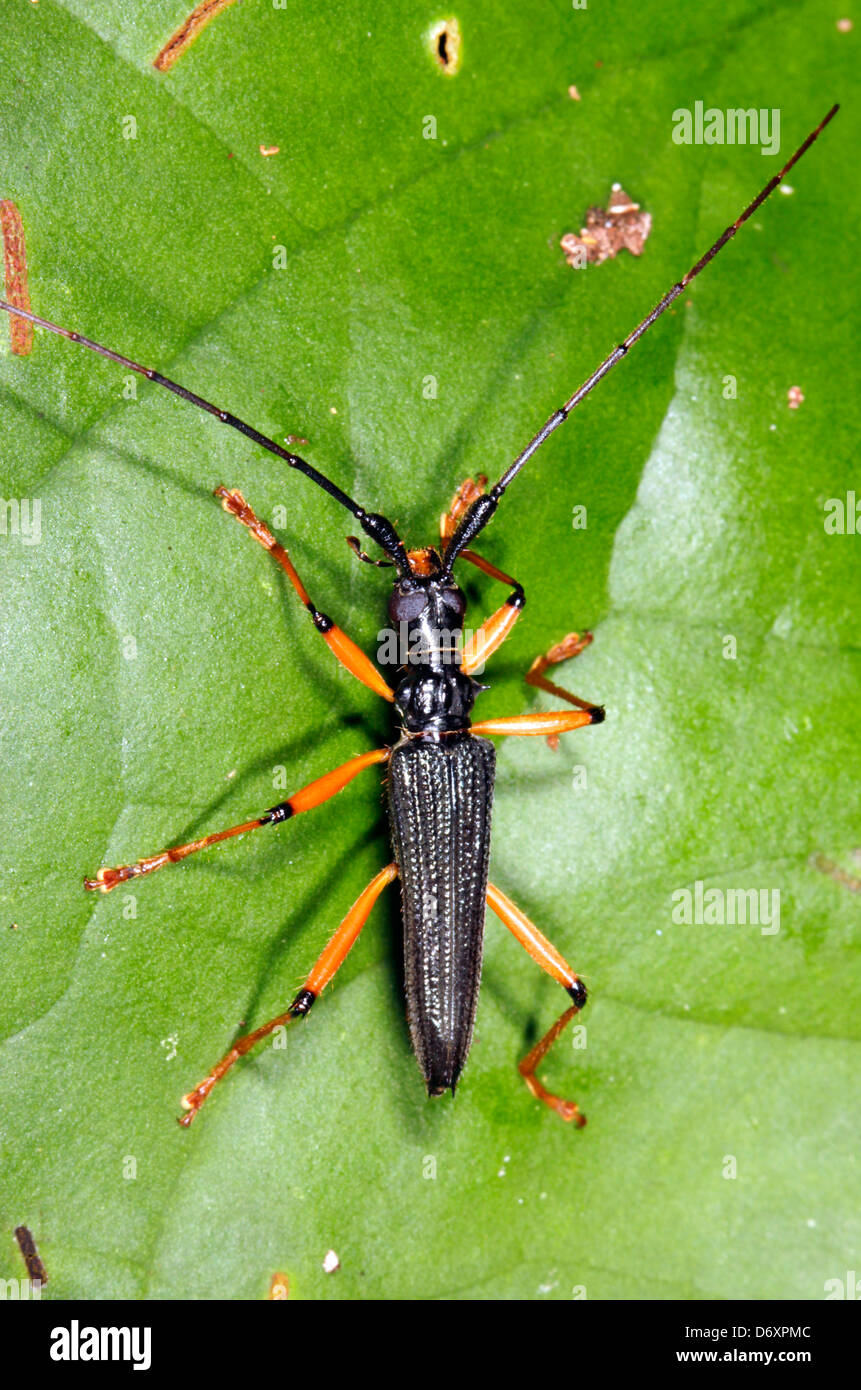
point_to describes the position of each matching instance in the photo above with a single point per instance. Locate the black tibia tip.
(302, 1003)
(578, 993)
(517, 599)
(283, 811)
(321, 621)
(597, 715)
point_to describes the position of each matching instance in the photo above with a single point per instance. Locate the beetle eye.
(404, 608)
(454, 599)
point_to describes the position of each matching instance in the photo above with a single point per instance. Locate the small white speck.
(658, 931)
(811, 1223)
(331, 1262)
(787, 188)
(772, 427)
(332, 410)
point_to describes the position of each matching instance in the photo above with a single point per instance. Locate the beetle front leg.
(546, 955)
(340, 645)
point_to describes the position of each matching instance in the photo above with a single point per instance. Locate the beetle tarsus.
(567, 1110)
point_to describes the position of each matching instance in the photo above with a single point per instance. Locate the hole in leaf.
(445, 45)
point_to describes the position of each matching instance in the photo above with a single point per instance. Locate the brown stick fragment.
(15, 271)
(27, 1246)
(187, 32)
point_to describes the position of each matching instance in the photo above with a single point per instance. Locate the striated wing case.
(440, 797)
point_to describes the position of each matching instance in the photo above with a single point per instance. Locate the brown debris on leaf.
(621, 227)
(833, 870)
(15, 270)
(187, 32)
(27, 1245)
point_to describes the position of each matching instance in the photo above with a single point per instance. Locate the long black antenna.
(377, 527)
(483, 508)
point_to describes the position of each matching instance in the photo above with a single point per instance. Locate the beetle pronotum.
(441, 769)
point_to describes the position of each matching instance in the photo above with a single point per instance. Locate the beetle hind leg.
(546, 955)
(566, 1109)
(325, 969)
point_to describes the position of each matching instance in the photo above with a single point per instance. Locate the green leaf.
(157, 672)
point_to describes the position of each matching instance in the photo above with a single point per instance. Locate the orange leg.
(550, 722)
(546, 955)
(494, 631)
(460, 503)
(308, 797)
(569, 647)
(343, 647)
(325, 969)
(491, 634)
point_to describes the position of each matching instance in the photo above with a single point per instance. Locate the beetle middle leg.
(314, 794)
(327, 966)
(547, 956)
(566, 650)
(551, 722)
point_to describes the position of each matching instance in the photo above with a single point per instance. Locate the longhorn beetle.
(440, 770)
